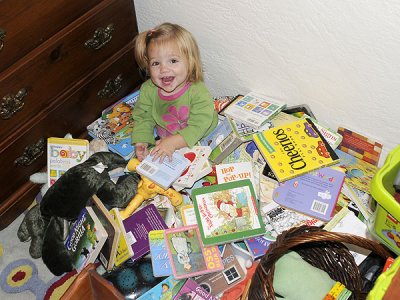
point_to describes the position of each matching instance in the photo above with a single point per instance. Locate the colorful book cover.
(124, 250)
(191, 290)
(159, 254)
(165, 173)
(294, 149)
(314, 194)
(359, 173)
(85, 239)
(333, 138)
(165, 290)
(234, 172)
(123, 147)
(258, 246)
(187, 255)
(115, 126)
(253, 109)
(360, 146)
(137, 227)
(63, 154)
(115, 109)
(227, 212)
(198, 168)
(109, 250)
(232, 274)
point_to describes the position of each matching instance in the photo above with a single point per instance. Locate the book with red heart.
(199, 166)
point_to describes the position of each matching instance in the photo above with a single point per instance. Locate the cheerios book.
(294, 149)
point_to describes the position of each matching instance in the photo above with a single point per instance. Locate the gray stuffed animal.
(44, 224)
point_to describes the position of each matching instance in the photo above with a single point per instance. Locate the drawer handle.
(12, 104)
(2, 37)
(31, 153)
(111, 87)
(101, 37)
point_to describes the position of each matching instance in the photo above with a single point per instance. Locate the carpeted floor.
(21, 277)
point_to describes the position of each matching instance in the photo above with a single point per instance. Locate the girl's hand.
(167, 146)
(141, 151)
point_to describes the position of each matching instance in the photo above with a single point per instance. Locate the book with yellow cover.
(63, 154)
(294, 149)
(124, 249)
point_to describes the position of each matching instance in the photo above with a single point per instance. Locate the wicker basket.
(322, 249)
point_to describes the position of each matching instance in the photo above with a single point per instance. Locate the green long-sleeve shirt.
(190, 114)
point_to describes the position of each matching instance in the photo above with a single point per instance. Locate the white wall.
(342, 58)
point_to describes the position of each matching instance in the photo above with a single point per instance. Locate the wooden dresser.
(61, 63)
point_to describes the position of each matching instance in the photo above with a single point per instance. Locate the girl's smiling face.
(167, 66)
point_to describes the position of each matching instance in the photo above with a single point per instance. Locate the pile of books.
(265, 168)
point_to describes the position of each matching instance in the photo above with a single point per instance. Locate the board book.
(294, 149)
(63, 154)
(235, 171)
(332, 137)
(137, 227)
(314, 194)
(360, 146)
(165, 290)
(281, 219)
(231, 275)
(85, 239)
(188, 256)
(227, 212)
(159, 254)
(124, 250)
(109, 250)
(359, 173)
(114, 126)
(253, 109)
(198, 168)
(163, 174)
(258, 246)
(191, 290)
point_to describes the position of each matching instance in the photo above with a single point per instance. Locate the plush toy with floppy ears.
(44, 224)
(147, 189)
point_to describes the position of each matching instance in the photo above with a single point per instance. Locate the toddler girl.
(175, 99)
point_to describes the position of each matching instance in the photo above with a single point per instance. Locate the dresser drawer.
(63, 60)
(27, 24)
(80, 103)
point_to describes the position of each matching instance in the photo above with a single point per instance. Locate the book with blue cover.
(163, 174)
(314, 194)
(85, 239)
(159, 254)
(115, 126)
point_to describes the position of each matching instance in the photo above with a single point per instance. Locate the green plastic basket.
(387, 214)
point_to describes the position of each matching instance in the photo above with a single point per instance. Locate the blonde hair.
(166, 33)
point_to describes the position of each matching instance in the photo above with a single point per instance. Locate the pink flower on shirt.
(176, 119)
